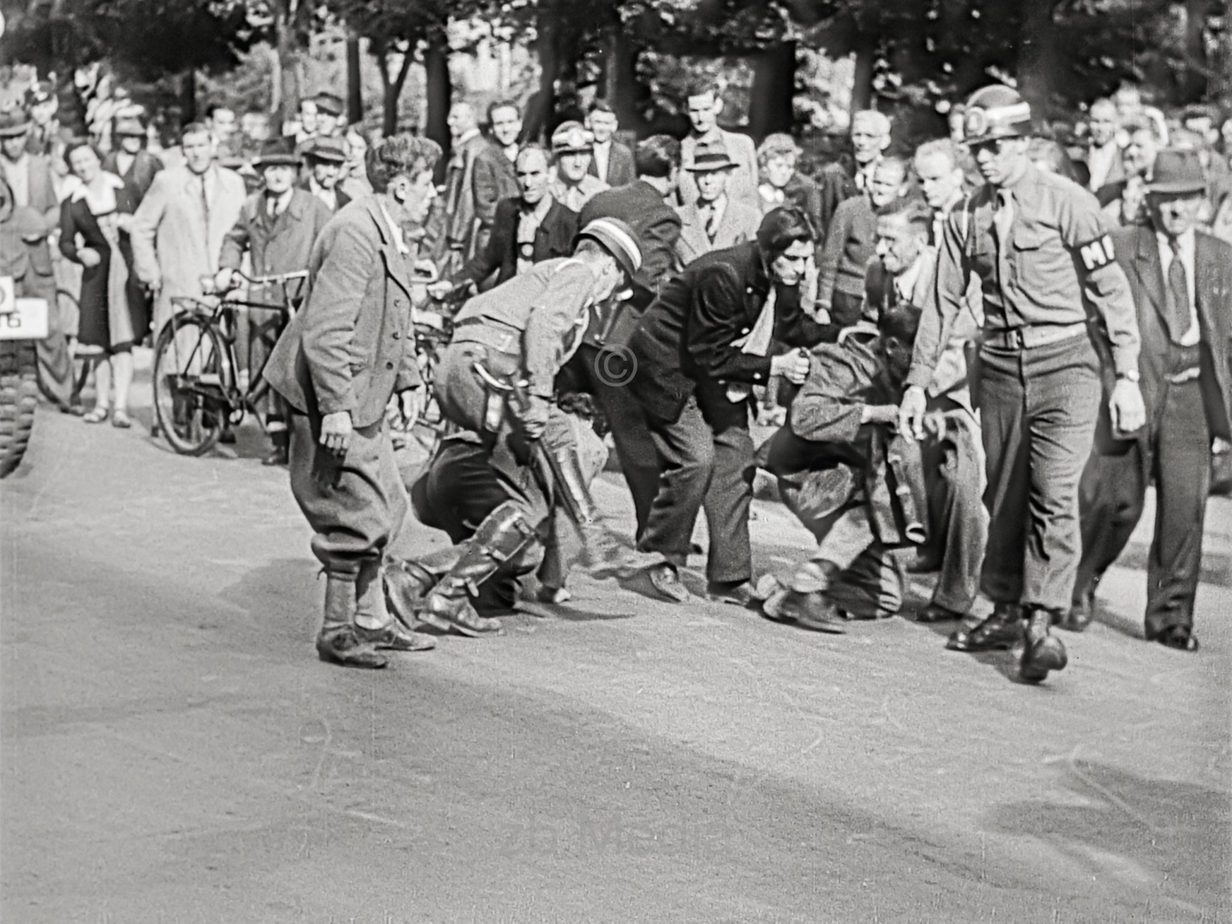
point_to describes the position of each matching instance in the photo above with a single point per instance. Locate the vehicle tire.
(188, 358)
(18, 400)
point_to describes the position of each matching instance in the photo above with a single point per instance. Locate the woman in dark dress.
(94, 223)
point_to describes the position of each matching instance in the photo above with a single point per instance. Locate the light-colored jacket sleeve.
(144, 228)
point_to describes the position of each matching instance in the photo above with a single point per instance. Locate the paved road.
(173, 751)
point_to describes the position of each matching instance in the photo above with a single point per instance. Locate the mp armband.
(1097, 253)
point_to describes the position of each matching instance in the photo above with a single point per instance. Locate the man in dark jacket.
(346, 353)
(131, 162)
(526, 230)
(602, 365)
(493, 178)
(700, 348)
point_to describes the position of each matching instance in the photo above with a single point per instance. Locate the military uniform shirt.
(1056, 258)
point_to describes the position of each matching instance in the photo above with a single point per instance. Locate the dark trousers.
(706, 462)
(958, 523)
(606, 374)
(354, 504)
(1039, 408)
(1176, 450)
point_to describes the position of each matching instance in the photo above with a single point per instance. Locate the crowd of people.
(977, 354)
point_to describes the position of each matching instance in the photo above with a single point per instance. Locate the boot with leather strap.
(502, 535)
(338, 641)
(374, 623)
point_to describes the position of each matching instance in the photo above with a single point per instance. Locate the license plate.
(27, 320)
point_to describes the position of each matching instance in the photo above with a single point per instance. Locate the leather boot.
(338, 642)
(374, 623)
(501, 536)
(999, 632)
(278, 454)
(1041, 652)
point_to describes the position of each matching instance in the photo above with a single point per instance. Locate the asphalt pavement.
(172, 750)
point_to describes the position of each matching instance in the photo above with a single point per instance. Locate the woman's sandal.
(121, 420)
(98, 415)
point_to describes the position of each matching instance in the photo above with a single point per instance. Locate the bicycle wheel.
(189, 366)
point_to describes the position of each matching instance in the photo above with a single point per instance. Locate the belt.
(1026, 338)
(491, 334)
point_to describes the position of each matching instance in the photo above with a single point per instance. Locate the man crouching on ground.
(340, 361)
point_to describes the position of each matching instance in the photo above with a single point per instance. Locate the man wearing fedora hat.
(524, 330)
(28, 175)
(277, 227)
(1042, 252)
(714, 220)
(325, 157)
(1181, 279)
(130, 161)
(572, 186)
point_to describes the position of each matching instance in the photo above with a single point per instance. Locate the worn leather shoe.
(811, 611)
(1080, 613)
(999, 632)
(1179, 637)
(341, 645)
(1041, 652)
(395, 637)
(665, 579)
(738, 593)
(935, 612)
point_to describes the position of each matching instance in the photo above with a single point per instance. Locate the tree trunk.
(774, 87)
(355, 89)
(864, 46)
(1040, 64)
(626, 94)
(542, 104)
(439, 89)
(188, 97)
(391, 86)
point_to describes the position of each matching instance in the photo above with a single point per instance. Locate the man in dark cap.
(325, 158)
(1181, 279)
(1042, 251)
(277, 227)
(43, 106)
(130, 161)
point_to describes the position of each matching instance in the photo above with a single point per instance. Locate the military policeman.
(1040, 249)
(496, 380)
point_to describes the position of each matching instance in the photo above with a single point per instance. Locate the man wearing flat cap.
(1181, 279)
(1042, 251)
(571, 185)
(43, 106)
(277, 227)
(130, 161)
(714, 220)
(325, 158)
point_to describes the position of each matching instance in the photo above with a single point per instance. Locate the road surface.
(172, 750)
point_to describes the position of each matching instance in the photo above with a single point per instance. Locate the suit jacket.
(283, 245)
(553, 238)
(40, 189)
(657, 224)
(835, 185)
(1137, 251)
(458, 204)
(743, 185)
(175, 239)
(738, 224)
(140, 174)
(621, 168)
(343, 199)
(799, 191)
(352, 345)
(685, 342)
(850, 244)
(493, 179)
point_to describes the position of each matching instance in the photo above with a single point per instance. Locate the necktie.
(205, 201)
(1179, 310)
(712, 222)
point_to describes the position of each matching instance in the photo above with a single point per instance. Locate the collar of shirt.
(540, 210)
(395, 229)
(467, 136)
(904, 282)
(511, 151)
(602, 145)
(280, 202)
(952, 203)
(715, 208)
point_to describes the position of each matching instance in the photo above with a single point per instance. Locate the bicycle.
(198, 388)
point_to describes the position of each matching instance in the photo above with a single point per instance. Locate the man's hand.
(411, 402)
(534, 418)
(336, 432)
(440, 288)
(880, 414)
(934, 424)
(793, 366)
(1220, 446)
(1128, 411)
(89, 256)
(911, 412)
(225, 280)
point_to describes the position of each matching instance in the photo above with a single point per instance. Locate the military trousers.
(1176, 451)
(957, 520)
(354, 503)
(1038, 411)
